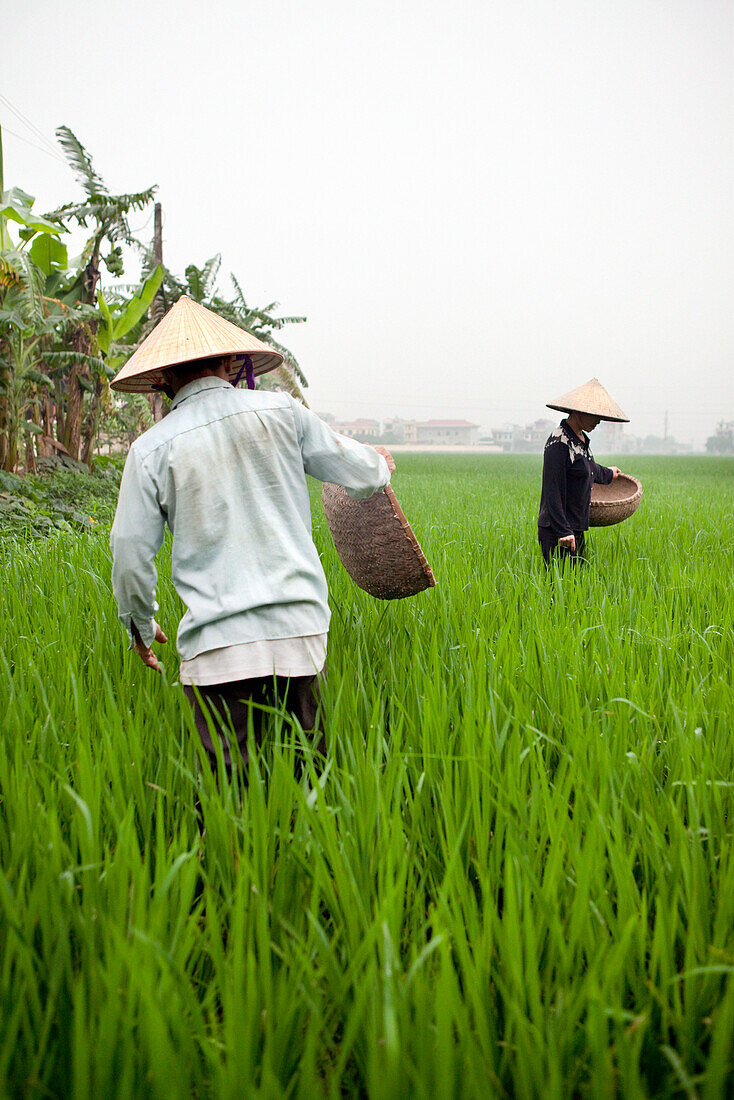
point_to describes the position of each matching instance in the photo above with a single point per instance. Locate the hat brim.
(152, 380)
(590, 412)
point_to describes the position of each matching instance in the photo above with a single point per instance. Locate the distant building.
(503, 437)
(534, 435)
(607, 437)
(432, 433)
(515, 439)
(722, 441)
(446, 432)
(362, 429)
(393, 429)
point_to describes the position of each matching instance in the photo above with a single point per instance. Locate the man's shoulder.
(154, 437)
(216, 404)
(262, 402)
(265, 399)
(150, 439)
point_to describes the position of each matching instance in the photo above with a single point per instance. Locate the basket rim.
(621, 501)
(410, 535)
(411, 562)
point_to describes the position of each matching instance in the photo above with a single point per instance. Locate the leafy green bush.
(64, 496)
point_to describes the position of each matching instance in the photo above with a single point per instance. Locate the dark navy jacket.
(569, 471)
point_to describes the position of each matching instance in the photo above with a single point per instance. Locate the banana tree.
(116, 322)
(24, 267)
(26, 334)
(106, 216)
(119, 320)
(20, 378)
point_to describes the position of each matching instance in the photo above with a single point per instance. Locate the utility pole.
(665, 429)
(156, 401)
(158, 257)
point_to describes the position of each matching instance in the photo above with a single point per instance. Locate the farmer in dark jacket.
(569, 470)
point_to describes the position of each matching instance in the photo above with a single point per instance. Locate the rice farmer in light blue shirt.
(225, 470)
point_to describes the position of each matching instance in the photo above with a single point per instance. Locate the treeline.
(62, 339)
(722, 441)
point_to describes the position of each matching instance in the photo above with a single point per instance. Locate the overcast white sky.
(478, 205)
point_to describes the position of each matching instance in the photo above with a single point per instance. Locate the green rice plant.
(513, 878)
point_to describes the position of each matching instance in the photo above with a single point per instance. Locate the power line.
(31, 126)
(143, 226)
(499, 406)
(40, 148)
(24, 119)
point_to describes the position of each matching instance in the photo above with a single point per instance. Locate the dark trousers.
(229, 708)
(548, 540)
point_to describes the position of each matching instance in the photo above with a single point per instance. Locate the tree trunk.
(82, 342)
(59, 410)
(3, 431)
(30, 456)
(38, 441)
(11, 453)
(91, 424)
(74, 410)
(47, 418)
(75, 395)
(157, 309)
(156, 406)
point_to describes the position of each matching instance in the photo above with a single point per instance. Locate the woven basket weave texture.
(614, 502)
(376, 544)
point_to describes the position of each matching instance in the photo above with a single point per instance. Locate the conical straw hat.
(590, 398)
(190, 331)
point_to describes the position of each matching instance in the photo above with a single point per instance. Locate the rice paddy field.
(513, 878)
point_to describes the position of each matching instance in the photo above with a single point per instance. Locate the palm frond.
(194, 282)
(140, 403)
(290, 361)
(28, 290)
(239, 294)
(265, 318)
(80, 162)
(210, 272)
(201, 280)
(103, 208)
(289, 383)
(55, 360)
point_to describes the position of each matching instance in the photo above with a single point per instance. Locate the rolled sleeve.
(338, 459)
(135, 539)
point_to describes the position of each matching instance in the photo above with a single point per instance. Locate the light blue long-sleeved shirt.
(226, 471)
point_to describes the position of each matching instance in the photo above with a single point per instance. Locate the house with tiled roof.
(362, 429)
(446, 432)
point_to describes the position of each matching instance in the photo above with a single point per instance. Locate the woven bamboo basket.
(614, 502)
(376, 544)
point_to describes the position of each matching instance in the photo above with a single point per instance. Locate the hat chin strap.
(249, 373)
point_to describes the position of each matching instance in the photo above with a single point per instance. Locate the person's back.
(225, 470)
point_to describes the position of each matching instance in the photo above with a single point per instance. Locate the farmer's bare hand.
(145, 653)
(568, 542)
(388, 458)
(616, 472)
